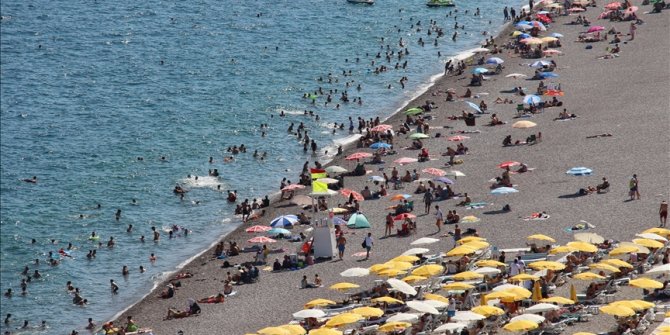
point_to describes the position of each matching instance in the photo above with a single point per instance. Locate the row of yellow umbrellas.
(626, 308)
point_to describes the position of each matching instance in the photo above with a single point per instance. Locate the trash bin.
(470, 121)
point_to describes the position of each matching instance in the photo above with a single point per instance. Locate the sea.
(110, 104)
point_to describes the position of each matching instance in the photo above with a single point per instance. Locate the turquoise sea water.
(88, 87)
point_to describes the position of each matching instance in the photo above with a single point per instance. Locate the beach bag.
(363, 244)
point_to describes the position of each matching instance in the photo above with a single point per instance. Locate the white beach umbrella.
(516, 75)
(336, 169)
(589, 237)
(401, 286)
(541, 307)
(425, 240)
(467, 316)
(528, 317)
(476, 50)
(415, 251)
(652, 236)
(403, 317)
(661, 269)
(302, 200)
(488, 271)
(355, 272)
(455, 173)
(640, 249)
(309, 313)
(328, 180)
(423, 307)
(504, 287)
(436, 304)
(450, 327)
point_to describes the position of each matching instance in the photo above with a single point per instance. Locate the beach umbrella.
(358, 155)
(545, 75)
(524, 26)
(344, 319)
(336, 169)
(302, 200)
(324, 180)
(428, 270)
(309, 313)
(434, 171)
(532, 99)
(444, 180)
(319, 303)
(613, 5)
(380, 145)
(325, 331)
(401, 286)
(403, 317)
(604, 267)
(479, 50)
(507, 164)
(641, 249)
(540, 63)
(645, 283)
(487, 310)
(381, 127)
(343, 286)
(504, 190)
(421, 306)
(528, 317)
(455, 173)
(648, 243)
(257, 229)
(487, 271)
(573, 293)
(405, 160)
(516, 33)
(558, 300)
(588, 276)
(541, 237)
(593, 29)
(583, 246)
(470, 219)
(279, 231)
(294, 329)
(404, 216)
(375, 268)
(413, 279)
(293, 187)
(414, 111)
(377, 178)
(468, 275)
(489, 262)
(400, 197)
(576, 9)
(461, 250)
(659, 231)
(368, 312)
(514, 289)
(617, 310)
(405, 258)
(418, 136)
(494, 61)
(450, 327)
(467, 316)
(617, 263)
(524, 124)
(274, 331)
(387, 300)
(583, 333)
(284, 221)
(435, 297)
(557, 35)
(338, 221)
(355, 272)
(393, 326)
(480, 70)
(261, 240)
(347, 192)
(579, 171)
(477, 245)
(660, 269)
(358, 220)
(652, 236)
(605, 14)
(538, 24)
(524, 276)
(541, 307)
(552, 52)
(589, 238)
(502, 295)
(435, 303)
(415, 251)
(636, 305)
(391, 272)
(456, 286)
(521, 326)
(627, 249)
(425, 240)
(470, 239)
(516, 75)
(531, 41)
(474, 106)
(549, 265)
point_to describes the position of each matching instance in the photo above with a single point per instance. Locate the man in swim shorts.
(663, 213)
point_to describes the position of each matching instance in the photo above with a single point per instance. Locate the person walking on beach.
(367, 243)
(663, 213)
(633, 28)
(633, 186)
(428, 200)
(341, 245)
(457, 235)
(389, 225)
(506, 14)
(439, 218)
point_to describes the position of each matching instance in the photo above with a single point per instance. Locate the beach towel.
(536, 217)
(579, 227)
(476, 205)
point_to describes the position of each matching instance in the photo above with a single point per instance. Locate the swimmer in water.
(113, 286)
(152, 258)
(32, 180)
(142, 270)
(130, 229)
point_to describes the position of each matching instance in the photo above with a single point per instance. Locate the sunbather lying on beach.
(601, 135)
(193, 309)
(213, 299)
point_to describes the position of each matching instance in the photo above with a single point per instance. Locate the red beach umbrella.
(613, 5)
(261, 239)
(554, 93)
(347, 192)
(405, 160)
(382, 127)
(508, 164)
(257, 229)
(403, 216)
(434, 172)
(593, 29)
(358, 155)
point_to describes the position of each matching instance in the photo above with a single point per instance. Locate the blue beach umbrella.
(377, 178)
(277, 231)
(284, 221)
(494, 61)
(504, 190)
(557, 35)
(523, 22)
(540, 63)
(474, 106)
(380, 145)
(579, 171)
(532, 99)
(480, 70)
(444, 180)
(524, 27)
(545, 75)
(358, 220)
(523, 36)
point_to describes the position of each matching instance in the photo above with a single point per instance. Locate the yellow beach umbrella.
(488, 310)
(617, 263)
(604, 267)
(562, 249)
(391, 273)
(470, 219)
(405, 258)
(645, 283)
(549, 265)
(645, 242)
(458, 286)
(541, 237)
(319, 302)
(461, 250)
(524, 276)
(617, 310)
(375, 268)
(489, 262)
(477, 245)
(343, 319)
(428, 270)
(397, 265)
(521, 326)
(663, 328)
(518, 291)
(294, 329)
(393, 326)
(525, 124)
(470, 239)
(387, 300)
(559, 300)
(583, 246)
(413, 279)
(588, 276)
(274, 331)
(436, 297)
(573, 293)
(627, 249)
(325, 331)
(636, 305)
(516, 33)
(368, 312)
(468, 275)
(549, 39)
(660, 231)
(344, 286)
(502, 295)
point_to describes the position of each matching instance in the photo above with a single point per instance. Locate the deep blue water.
(87, 87)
